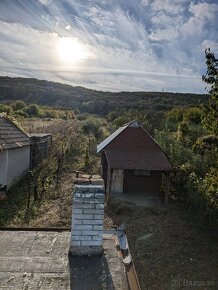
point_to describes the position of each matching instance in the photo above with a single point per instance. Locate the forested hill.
(62, 95)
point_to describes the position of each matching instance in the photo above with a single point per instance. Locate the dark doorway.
(142, 181)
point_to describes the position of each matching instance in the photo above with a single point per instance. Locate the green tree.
(210, 111)
(33, 110)
(18, 105)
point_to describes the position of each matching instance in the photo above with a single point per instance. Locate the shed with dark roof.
(14, 152)
(132, 162)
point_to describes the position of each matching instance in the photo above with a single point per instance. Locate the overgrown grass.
(13, 209)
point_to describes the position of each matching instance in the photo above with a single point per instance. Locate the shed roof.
(131, 147)
(11, 136)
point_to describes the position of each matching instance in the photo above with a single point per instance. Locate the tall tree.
(210, 111)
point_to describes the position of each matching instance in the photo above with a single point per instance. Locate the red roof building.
(133, 162)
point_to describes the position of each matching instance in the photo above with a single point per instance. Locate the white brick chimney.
(87, 217)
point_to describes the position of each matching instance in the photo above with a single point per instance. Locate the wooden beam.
(108, 185)
(167, 188)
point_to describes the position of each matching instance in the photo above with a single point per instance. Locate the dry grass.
(168, 247)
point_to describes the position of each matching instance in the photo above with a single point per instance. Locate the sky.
(109, 45)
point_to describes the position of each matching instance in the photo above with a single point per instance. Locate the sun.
(71, 51)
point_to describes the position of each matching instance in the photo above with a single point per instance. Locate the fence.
(48, 172)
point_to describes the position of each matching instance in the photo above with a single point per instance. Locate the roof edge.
(114, 135)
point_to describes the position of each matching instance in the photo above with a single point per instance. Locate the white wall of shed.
(18, 163)
(3, 166)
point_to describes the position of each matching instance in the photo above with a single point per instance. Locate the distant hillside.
(65, 96)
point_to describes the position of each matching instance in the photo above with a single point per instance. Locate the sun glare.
(71, 51)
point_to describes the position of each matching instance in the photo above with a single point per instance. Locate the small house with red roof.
(133, 162)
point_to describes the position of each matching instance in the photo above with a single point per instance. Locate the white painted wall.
(15, 162)
(3, 166)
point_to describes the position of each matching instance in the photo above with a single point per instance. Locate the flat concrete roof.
(39, 260)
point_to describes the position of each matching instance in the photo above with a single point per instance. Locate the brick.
(76, 232)
(99, 206)
(99, 195)
(91, 243)
(77, 210)
(84, 227)
(88, 205)
(76, 238)
(96, 238)
(88, 195)
(75, 243)
(93, 222)
(97, 216)
(92, 233)
(93, 211)
(83, 216)
(81, 238)
(77, 200)
(98, 228)
(89, 210)
(94, 200)
(77, 222)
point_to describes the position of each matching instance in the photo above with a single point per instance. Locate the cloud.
(140, 45)
(45, 2)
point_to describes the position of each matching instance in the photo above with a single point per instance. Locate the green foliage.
(61, 96)
(18, 105)
(95, 127)
(5, 109)
(206, 143)
(210, 111)
(193, 115)
(209, 189)
(33, 110)
(182, 132)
